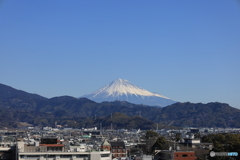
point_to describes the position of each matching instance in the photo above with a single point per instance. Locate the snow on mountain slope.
(123, 90)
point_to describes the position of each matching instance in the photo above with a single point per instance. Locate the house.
(106, 146)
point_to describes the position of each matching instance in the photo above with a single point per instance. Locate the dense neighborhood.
(60, 143)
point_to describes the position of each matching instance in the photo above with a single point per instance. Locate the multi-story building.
(8, 150)
(55, 151)
(118, 149)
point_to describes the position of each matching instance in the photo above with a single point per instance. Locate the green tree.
(226, 142)
(151, 134)
(160, 144)
(178, 137)
(150, 138)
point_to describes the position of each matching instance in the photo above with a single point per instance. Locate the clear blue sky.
(186, 50)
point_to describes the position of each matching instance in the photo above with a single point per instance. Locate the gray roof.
(117, 144)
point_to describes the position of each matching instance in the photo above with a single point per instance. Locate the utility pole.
(111, 123)
(101, 128)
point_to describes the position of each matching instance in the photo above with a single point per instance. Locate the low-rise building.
(174, 155)
(55, 151)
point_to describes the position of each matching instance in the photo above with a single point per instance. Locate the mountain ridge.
(8, 92)
(66, 110)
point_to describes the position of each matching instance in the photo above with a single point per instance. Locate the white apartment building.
(57, 152)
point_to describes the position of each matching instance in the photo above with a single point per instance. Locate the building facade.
(118, 149)
(57, 151)
(175, 155)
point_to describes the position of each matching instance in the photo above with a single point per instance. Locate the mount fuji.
(123, 90)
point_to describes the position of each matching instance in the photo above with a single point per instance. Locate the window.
(105, 155)
(32, 156)
(49, 156)
(82, 156)
(184, 155)
(65, 156)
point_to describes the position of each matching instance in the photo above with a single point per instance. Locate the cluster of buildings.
(65, 144)
(93, 144)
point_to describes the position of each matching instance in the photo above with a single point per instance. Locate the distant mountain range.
(19, 108)
(123, 90)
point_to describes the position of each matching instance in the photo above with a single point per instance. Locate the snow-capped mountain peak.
(121, 89)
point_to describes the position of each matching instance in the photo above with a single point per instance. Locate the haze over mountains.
(123, 90)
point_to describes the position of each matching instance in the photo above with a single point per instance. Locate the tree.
(226, 142)
(150, 138)
(178, 137)
(151, 134)
(160, 144)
